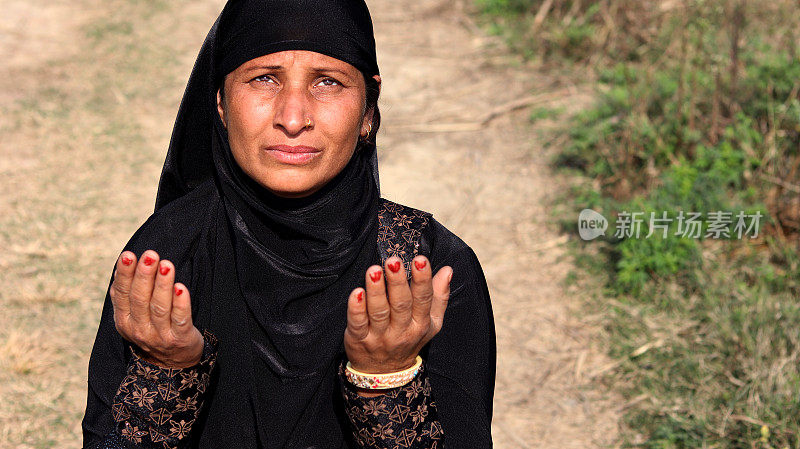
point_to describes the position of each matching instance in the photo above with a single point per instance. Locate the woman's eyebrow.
(329, 69)
(264, 67)
(320, 69)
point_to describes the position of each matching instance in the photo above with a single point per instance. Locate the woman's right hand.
(153, 312)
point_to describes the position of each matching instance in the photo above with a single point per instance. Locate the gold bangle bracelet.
(383, 381)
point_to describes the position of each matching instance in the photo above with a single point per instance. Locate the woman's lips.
(293, 155)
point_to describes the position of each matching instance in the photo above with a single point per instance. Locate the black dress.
(269, 278)
(450, 402)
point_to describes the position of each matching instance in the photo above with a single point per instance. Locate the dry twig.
(481, 123)
(782, 183)
(541, 15)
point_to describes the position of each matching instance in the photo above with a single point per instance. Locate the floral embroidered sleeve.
(155, 407)
(403, 417)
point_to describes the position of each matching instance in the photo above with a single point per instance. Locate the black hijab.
(284, 267)
(270, 277)
(281, 270)
(247, 29)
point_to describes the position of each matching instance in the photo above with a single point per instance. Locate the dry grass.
(88, 95)
(24, 354)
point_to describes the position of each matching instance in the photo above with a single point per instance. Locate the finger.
(441, 295)
(357, 319)
(181, 315)
(142, 286)
(121, 287)
(398, 292)
(378, 310)
(161, 302)
(421, 290)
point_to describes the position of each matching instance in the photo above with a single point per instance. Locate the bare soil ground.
(88, 94)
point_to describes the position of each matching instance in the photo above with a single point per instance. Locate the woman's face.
(294, 118)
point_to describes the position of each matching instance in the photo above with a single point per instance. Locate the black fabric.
(460, 359)
(289, 264)
(156, 407)
(340, 29)
(402, 417)
(251, 28)
(270, 277)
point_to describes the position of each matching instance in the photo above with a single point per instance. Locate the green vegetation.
(697, 111)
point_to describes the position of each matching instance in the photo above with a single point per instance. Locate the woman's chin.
(296, 181)
(292, 187)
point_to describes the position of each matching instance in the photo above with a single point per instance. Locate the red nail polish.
(360, 296)
(164, 270)
(126, 260)
(178, 291)
(375, 276)
(420, 264)
(148, 260)
(394, 266)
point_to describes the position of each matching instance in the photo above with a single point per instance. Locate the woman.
(233, 309)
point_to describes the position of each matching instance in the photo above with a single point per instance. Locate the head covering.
(282, 268)
(342, 30)
(247, 29)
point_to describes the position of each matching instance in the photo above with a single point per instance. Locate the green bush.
(505, 7)
(698, 110)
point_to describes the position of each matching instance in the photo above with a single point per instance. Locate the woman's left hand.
(389, 322)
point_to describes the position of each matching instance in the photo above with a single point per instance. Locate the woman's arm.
(151, 395)
(460, 359)
(401, 417)
(155, 407)
(449, 404)
(388, 324)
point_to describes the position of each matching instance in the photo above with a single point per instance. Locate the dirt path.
(77, 97)
(491, 187)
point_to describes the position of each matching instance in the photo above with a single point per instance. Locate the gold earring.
(369, 128)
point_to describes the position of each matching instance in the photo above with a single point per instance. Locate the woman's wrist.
(366, 381)
(186, 359)
(405, 416)
(151, 399)
(201, 355)
(384, 367)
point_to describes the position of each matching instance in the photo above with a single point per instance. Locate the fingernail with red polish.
(375, 276)
(126, 260)
(178, 291)
(148, 260)
(420, 264)
(394, 266)
(164, 270)
(360, 296)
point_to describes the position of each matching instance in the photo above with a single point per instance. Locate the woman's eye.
(329, 82)
(263, 79)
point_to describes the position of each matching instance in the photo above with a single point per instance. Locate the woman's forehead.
(303, 59)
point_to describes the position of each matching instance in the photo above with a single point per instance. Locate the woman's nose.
(292, 111)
